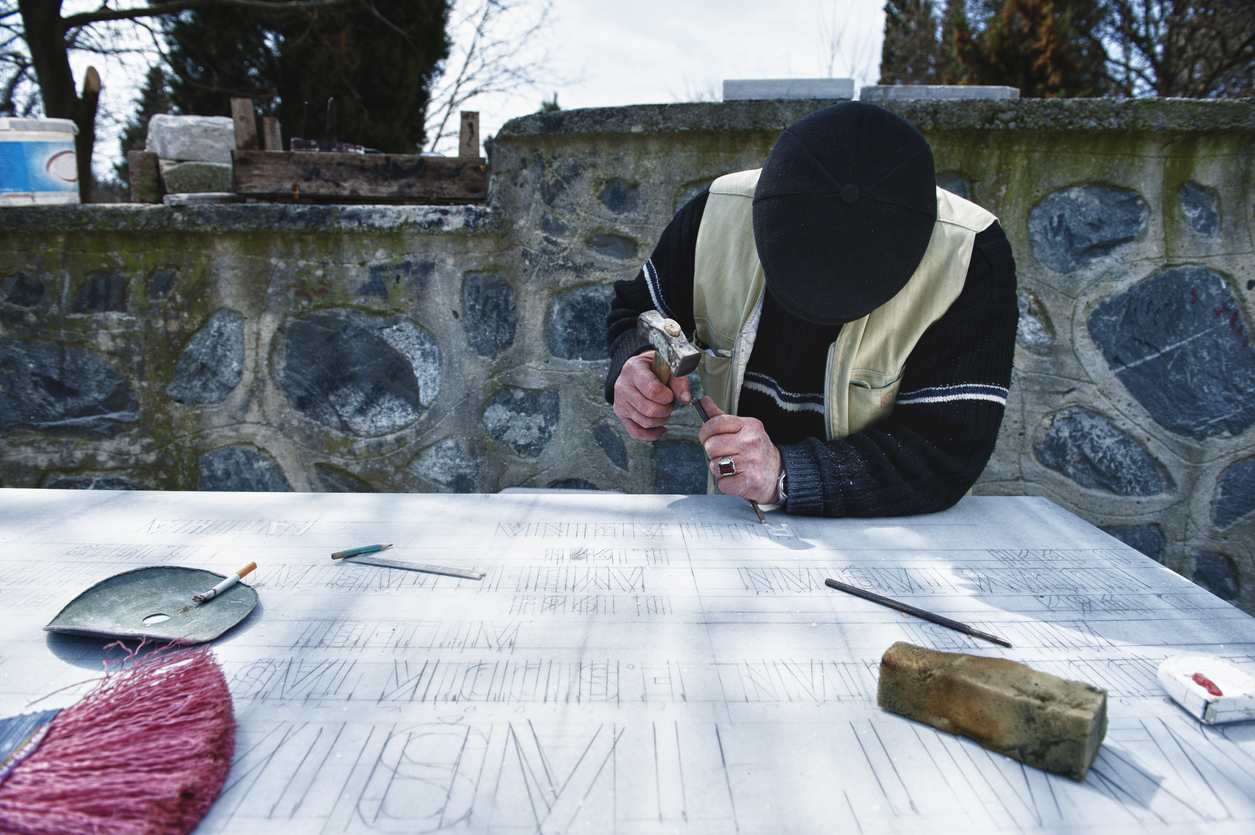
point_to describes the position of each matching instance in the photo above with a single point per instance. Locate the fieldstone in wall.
(1235, 493)
(557, 180)
(1071, 229)
(955, 183)
(1199, 205)
(103, 293)
(679, 467)
(619, 197)
(241, 469)
(490, 313)
(526, 420)
(361, 375)
(22, 290)
(1179, 344)
(1215, 572)
(1035, 331)
(1090, 450)
(212, 364)
(62, 389)
(575, 327)
(408, 273)
(336, 480)
(160, 283)
(1145, 538)
(613, 246)
(574, 484)
(611, 444)
(77, 482)
(689, 192)
(552, 226)
(445, 463)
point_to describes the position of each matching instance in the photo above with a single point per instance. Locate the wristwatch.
(784, 496)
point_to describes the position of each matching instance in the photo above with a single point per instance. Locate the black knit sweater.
(920, 459)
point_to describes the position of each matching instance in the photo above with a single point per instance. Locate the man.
(858, 324)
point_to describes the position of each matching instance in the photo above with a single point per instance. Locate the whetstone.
(1039, 719)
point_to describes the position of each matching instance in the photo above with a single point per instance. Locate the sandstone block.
(1041, 720)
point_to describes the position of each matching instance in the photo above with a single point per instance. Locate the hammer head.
(673, 353)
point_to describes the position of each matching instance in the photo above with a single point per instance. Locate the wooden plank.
(245, 124)
(272, 136)
(468, 139)
(360, 178)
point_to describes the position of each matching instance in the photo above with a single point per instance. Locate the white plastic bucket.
(38, 165)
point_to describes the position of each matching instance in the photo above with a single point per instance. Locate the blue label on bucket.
(31, 167)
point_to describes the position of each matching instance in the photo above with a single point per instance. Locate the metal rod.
(919, 613)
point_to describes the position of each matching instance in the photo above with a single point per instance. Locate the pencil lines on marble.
(519, 776)
(641, 605)
(577, 579)
(207, 527)
(132, 551)
(798, 680)
(689, 531)
(1059, 558)
(434, 680)
(405, 636)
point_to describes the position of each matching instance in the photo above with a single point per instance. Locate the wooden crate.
(359, 178)
(303, 177)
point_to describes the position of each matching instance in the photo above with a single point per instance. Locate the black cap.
(843, 211)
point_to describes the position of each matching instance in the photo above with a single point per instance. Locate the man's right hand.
(642, 403)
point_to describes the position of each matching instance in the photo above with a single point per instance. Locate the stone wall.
(270, 347)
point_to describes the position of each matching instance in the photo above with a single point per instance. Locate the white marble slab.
(641, 664)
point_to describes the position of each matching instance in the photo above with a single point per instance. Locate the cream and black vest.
(865, 363)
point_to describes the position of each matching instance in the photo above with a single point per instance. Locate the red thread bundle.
(145, 753)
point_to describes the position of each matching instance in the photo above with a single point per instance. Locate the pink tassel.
(146, 751)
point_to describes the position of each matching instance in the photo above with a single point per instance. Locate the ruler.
(416, 566)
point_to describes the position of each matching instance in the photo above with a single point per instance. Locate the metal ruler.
(416, 566)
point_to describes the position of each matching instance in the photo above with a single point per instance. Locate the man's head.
(843, 211)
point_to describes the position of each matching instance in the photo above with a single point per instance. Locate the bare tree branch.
(103, 14)
(492, 60)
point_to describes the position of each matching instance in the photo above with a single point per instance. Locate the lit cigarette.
(204, 597)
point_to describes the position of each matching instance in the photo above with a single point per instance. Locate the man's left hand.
(756, 458)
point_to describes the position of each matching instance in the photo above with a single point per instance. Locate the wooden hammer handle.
(661, 369)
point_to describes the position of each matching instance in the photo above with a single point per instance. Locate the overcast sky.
(658, 51)
(620, 52)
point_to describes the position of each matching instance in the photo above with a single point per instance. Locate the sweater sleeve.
(934, 445)
(664, 283)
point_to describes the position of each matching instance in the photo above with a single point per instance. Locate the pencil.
(919, 613)
(366, 549)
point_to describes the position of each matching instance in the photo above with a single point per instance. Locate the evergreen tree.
(376, 58)
(153, 98)
(911, 53)
(1046, 48)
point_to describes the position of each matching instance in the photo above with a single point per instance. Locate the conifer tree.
(1046, 48)
(375, 58)
(153, 98)
(911, 53)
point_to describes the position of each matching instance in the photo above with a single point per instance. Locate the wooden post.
(245, 124)
(468, 142)
(272, 137)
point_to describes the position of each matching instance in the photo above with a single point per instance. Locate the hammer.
(674, 356)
